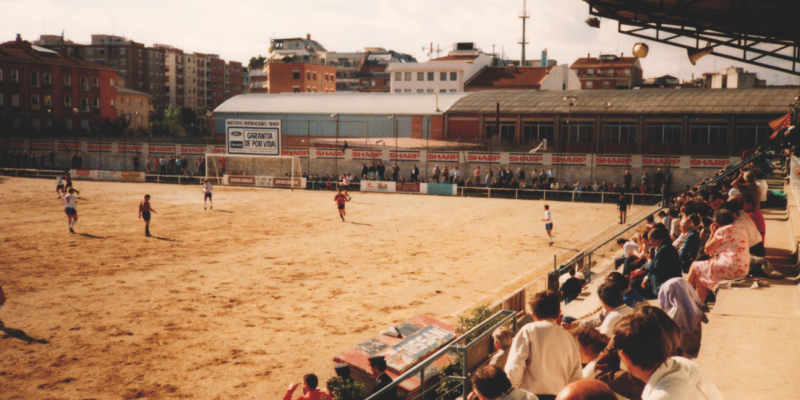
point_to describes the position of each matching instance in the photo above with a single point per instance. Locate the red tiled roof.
(594, 62)
(10, 53)
(456, 58)
(501, 77)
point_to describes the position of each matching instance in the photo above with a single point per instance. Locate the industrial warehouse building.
(591, 135)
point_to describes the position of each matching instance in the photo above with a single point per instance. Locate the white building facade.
(444, 75)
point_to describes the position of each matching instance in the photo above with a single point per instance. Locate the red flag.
(780, 123)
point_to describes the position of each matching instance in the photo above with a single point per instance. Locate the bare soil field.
(239, 301)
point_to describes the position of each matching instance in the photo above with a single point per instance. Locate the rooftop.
(504, 76)
(130, 92)
(605, 60)
(341, 103)
(769, 100)
(25, 52)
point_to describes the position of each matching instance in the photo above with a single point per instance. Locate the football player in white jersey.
(548, 224)
(60, 186)
(69, 208)
(207, 194)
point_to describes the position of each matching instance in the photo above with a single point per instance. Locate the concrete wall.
(686, 170)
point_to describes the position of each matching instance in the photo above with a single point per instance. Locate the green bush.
(345, 389)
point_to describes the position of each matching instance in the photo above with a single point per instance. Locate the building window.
(84, 83)
(68, 123)
(535, 132)
(709, 134)
(48, 101)
(454, 76)
(85, 124)
(507, 130)
(1, 74)
(408, 76)
(141, 103)
(430, 76)
(1, 99)
(606, 84)
(752, 134)
(84, 104)
(627, 72)
(67, 80)
(663, 133)
(452, 90)
(619, 132)
(48, 78)
(308, 75)
(420, 91)
(36, 124)
(296, 89)
(577, 132)
(48, 122)
(430, 90)
(442, 76)
(34, 103)
(611, 72)
(68, 102)
(113, 102)
(14, 100)
(34, 79)
(314, 76)
(407, 91)
(396, 91)
(589, 85)
(295, 75)
(442, 90)
(590, 72)
(14, 75)
(96, 102)
(398, 76)
(95, 82)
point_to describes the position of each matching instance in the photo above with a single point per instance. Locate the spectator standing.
(147, 164)
(435, 174)
(136, 162)
(501, 175)
(544, 357)
(395, 171)
(542, 179)
(477, 174)
(378, 366)
(223, 164)
(51, 160)
(364, 170)
(628, 179)
(414, 173)
(381, 171)
(502, 337)
(645, 180)
(456, 173)
(184, 165)
(446, 175)
(551, 176)
(156, 165)
(163, 163)
(521, 175)
(373, 172)
(658, 181)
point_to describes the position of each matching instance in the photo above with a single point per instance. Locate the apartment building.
(608, 71)
(200, 81)
(55, 94)
(372, 76)
(347, 67)
(135, 106)
(443, 74)
(143, 68)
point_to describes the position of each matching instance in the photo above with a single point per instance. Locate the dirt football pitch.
(240, 301)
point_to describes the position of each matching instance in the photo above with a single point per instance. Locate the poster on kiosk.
(253, 137)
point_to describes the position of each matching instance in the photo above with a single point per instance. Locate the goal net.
(278, 171)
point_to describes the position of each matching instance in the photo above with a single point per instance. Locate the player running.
(69, 208)
(68, 178)
(207, 194)
(622, 206)
(144, 213)
(340, 199)
(60, 186)
(548, 223)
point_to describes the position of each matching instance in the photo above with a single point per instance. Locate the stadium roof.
(341, 103)
(659, 101)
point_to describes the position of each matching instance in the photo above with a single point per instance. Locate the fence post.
(466, 376)
(422, 383)
(573, 197)
(602, 197)
(516, 194)
(544, 196)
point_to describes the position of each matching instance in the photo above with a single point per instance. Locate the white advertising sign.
(253, 137)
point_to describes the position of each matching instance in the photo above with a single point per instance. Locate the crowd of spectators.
(25, 160)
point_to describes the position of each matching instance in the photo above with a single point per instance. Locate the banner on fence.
(407, 187)
(129, 148)
(38, 145)
(479, 158)
(613, 161)
(302, 153)
(154, 148)
(329, 154)
(417, 346)
(653, 161)
(521, 158)
(367, 154)
(70, 146)
(82, 174)
(193, 150)
(263, 181)
(441, 156)
(377, 186)
(99, 147)
(12, 144)
(572, 159)
(98, 175)
(405, 156)
(442, 189)
(709, 162)
(255, 137)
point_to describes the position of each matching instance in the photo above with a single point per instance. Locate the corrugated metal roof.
(340, 103)
(772, 100)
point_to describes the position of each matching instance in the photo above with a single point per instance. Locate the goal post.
(243, 170)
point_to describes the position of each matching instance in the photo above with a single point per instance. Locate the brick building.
(135, 106)
(44, 91)
(608, 72)
(372, 76)
(283, 77)
(143, 68)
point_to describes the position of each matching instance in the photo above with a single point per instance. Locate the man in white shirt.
(59, 185)
(207, 189)
(551, 176)
(611, 298)
(69, 209)
(645, 349)
(544, 357)
(548, 224)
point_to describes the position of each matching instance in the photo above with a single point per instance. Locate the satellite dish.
(641, 49)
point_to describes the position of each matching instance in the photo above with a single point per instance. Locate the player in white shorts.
(207, 194)
(60, 185)
(69, 208)
(548, 223)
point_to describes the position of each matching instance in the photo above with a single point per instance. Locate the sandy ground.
(240, 301)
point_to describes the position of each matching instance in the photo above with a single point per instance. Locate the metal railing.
(31, 173)
(543, 194)
(462, 351)
(732, 169)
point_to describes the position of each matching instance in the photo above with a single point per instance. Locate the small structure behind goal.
(241, 170)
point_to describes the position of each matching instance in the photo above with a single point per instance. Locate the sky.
(240, 29)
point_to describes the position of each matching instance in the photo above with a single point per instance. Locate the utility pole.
(524, 15)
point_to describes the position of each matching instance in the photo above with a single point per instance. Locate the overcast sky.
(240, 29)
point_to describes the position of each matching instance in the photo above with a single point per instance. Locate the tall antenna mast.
(524, 15)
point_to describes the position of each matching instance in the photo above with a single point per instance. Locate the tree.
(257, 62)
(171, 124)
(114, 126)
